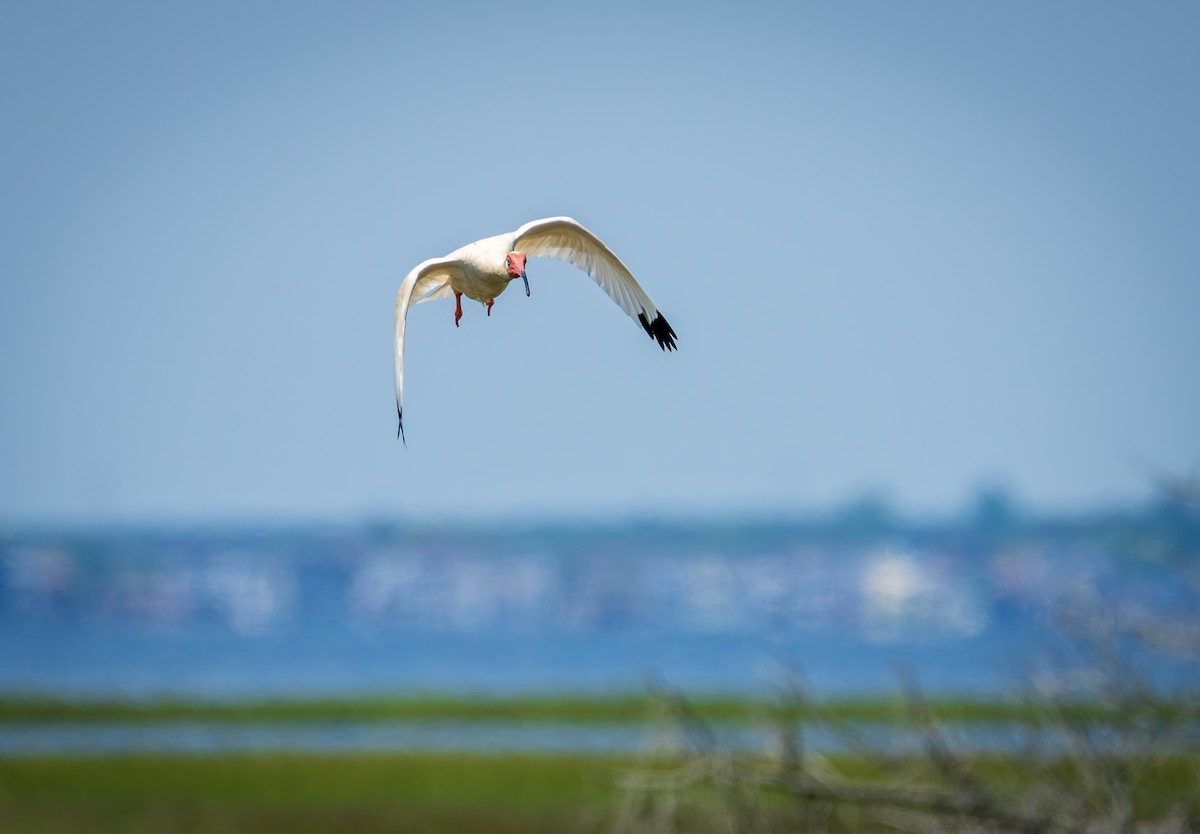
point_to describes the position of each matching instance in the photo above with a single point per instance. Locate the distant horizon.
(873, 501)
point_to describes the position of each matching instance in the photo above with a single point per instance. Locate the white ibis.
(483, 269)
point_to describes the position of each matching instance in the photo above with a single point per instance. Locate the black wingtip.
(659, 330)
(400, 426)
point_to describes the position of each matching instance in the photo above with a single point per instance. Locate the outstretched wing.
(567, 240)
(429, 280)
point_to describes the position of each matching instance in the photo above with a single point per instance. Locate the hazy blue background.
(906, 247)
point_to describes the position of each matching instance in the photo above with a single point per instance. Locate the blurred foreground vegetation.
(469, 793)
(1127, 761)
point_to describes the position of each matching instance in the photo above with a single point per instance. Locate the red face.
(515, 264)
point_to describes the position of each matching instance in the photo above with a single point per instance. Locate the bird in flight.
(483, 269)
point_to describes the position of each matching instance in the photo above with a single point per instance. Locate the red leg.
(457, 307)
(491, 301)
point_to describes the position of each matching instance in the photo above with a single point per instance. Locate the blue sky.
(907, 248)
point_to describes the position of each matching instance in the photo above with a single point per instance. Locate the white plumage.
(482, 270)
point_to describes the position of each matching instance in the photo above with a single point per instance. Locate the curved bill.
(525, 278)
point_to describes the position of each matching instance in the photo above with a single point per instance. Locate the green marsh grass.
(447, 793)
(302, 793)
(556, 708)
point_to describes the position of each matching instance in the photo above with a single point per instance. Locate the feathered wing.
(428, 280)
(567, 240)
